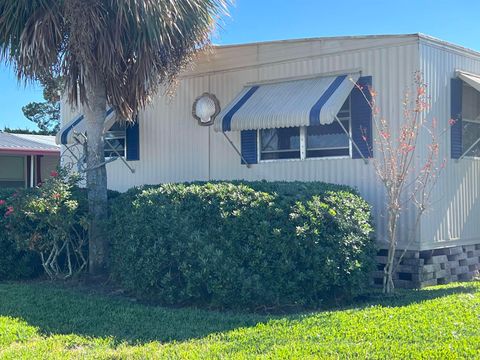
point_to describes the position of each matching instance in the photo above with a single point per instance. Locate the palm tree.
(114, 52)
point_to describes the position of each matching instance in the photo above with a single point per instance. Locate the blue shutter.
(456, 91)
(249, 146)
(133, 141)
(361, 119)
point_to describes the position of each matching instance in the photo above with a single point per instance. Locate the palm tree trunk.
(96, 174)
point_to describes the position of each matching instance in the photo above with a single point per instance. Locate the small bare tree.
(407, 174)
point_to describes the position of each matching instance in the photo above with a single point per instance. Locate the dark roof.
(28, 144)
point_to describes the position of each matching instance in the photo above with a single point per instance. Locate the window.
(470, 122)
(115, 141)
(330, 140)
(12, 171)
(308, 141)
(280, 143)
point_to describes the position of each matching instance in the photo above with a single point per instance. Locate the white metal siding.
(454, 216)
(173, 148)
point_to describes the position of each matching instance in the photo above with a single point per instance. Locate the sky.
(263, 20)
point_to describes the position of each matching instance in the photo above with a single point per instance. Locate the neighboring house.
(279, 100)
(26, 160)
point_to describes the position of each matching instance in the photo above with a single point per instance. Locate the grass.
(41, 320)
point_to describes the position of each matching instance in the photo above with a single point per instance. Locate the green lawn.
(39, 320)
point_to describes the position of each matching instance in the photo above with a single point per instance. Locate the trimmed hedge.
(15, 264)
(241, 245)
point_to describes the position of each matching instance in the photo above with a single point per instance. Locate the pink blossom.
(53, 173)
(452, 122)
(2, 202)
(385, 134)
(9, 210)
(56, 196)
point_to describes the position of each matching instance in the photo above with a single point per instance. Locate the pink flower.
(53, 173)
(9, 210)
(56, 196)
(385, 135)
(2, 202)
(452, 122)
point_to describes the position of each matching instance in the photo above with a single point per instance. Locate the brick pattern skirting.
(432, 267)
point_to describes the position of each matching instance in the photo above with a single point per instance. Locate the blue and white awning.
(471, 79)
(66, 135)
(313, 101)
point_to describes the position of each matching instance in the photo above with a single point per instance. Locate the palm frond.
(133, 46)
(31, 35)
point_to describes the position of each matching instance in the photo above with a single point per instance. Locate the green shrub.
(15, 264)
(241, 245)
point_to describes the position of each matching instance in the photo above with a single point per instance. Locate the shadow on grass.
(57, 310)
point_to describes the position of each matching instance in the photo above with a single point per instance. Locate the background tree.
(408, 173)
(46, 114)
(26, 131)
(114, 52)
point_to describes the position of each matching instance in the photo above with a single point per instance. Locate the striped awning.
(78, 126)
(471, 79)
(304, 102)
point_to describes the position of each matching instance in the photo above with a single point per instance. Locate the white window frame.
(303, 144)
(259, 150)
(110, 150)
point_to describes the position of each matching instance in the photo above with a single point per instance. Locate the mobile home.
(288, 110)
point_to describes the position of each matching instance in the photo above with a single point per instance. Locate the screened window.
(281, 143)
(115, 140)
(330, 140)
(470, 121)
(12, 171)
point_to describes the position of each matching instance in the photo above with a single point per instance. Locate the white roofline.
(320, 38)
(414, 36)
(447, 44)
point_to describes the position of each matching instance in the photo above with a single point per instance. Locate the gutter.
(15, 151)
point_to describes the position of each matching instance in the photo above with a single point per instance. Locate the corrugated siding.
(454, 216)
(174, 148)
(391, 69)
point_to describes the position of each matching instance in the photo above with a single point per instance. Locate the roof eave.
(12, 151)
